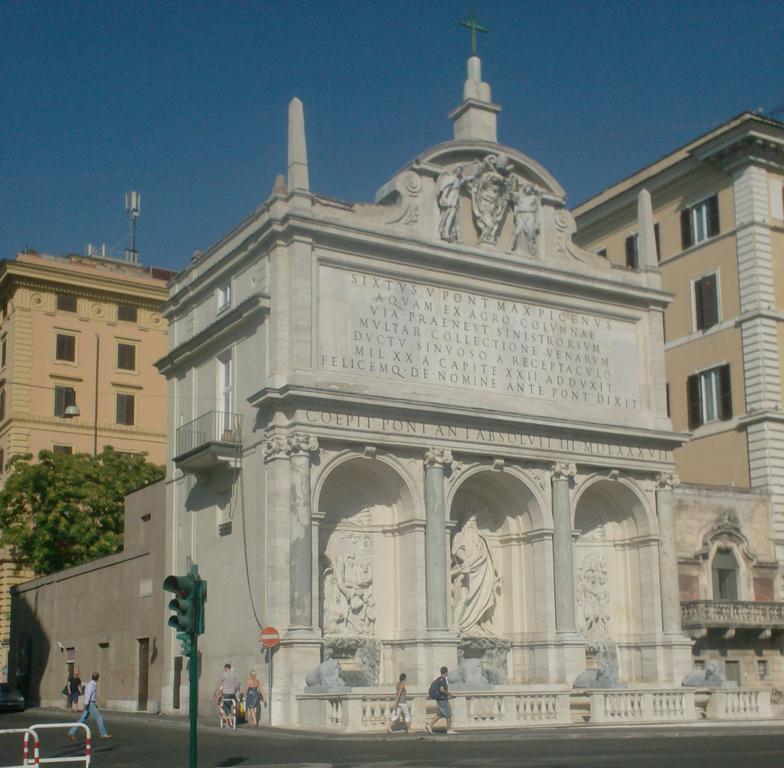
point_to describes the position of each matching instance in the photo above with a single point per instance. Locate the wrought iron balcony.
(699, 616)
(211, 440)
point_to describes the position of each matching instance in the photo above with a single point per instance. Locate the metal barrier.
(38, 760)
(25, 746)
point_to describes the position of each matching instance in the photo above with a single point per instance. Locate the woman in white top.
(401, 710)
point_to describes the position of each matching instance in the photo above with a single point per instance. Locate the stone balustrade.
(739, 704)
(699, 614)
(507, 708)
(639, 706)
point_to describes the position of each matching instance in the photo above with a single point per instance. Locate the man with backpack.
(439, 691)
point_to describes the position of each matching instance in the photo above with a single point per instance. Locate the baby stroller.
(227, 710)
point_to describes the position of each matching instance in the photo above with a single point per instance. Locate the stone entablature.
(746, 614)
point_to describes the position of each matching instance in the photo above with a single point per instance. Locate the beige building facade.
(78, 331)
(718, 211)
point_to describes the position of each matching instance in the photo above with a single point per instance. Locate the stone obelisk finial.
(646, 236)
(298, 152)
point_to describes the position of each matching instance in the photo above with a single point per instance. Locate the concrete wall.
(95, 616)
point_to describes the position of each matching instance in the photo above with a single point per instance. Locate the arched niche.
(365, 549)
(499, 515)
(615, 564)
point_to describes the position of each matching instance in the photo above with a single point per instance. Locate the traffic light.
(184, 604)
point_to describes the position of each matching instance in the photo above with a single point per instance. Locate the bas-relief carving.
(593, 597)
(493, 191)
(476, 583)
(448, 197)
(525, 201)
(349, 603)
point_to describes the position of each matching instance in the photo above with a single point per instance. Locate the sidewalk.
(568, 731)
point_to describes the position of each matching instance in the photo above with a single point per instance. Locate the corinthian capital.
(667, 480)
(276, 446)
(303, 443)
(562, 470)
(438, 457)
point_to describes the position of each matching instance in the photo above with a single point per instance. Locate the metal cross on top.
(474, 27)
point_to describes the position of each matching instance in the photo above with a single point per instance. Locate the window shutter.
(667, 396)
(699, 306)
(631, 251)
(725, 393)
(713, 216)
(710, 303)
(687, 236)
(693, 401)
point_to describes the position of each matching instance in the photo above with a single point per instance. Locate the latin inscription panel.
(410, 332)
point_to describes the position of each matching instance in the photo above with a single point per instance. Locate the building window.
(225, 399)
(127, 312)
(2, 403)
(706, 301)
(709, 396)
(658, 241)
(224, 297)
(63, 397)
(667, 398)
(2, 461)
(3, 351)
(65, 348)
(125, 409)
(700, 221)
(62, 448)
(66, 302)
(762, 669)
(725, 575)
(126, 357)
(632, 258)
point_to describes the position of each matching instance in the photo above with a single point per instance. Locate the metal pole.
(193, 697)
(269, 686)
(97, 360)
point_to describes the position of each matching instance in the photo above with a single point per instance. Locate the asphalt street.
(148, 741)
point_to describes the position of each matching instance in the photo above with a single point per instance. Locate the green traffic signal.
(186, 603)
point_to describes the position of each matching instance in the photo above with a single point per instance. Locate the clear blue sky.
(186, 102)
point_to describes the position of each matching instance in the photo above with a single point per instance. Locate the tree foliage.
(67, 509)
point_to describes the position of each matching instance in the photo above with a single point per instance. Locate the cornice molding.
(214, 333)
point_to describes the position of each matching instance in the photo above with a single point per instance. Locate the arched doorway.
(500, 577)
(367, 547)
(616, 573)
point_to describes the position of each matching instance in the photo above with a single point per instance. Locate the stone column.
(436, 459)
(668, 555)
(300, 532)
(563, 553)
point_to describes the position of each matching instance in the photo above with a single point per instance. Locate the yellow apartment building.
(78, 338)
(718, 213)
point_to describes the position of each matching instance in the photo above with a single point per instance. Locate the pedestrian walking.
(401, 710)
(439, 690)
(91, 708)
(74, 690)
(229, 686)
(253, 697)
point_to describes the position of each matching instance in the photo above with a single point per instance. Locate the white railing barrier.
(38, 760)
(25, 745)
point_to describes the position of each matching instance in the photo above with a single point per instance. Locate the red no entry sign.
(269, 637)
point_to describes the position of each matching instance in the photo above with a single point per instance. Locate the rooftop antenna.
(133, 201)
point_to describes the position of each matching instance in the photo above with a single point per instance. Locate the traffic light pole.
(193, 698)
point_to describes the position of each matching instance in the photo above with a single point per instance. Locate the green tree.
(67, 509)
